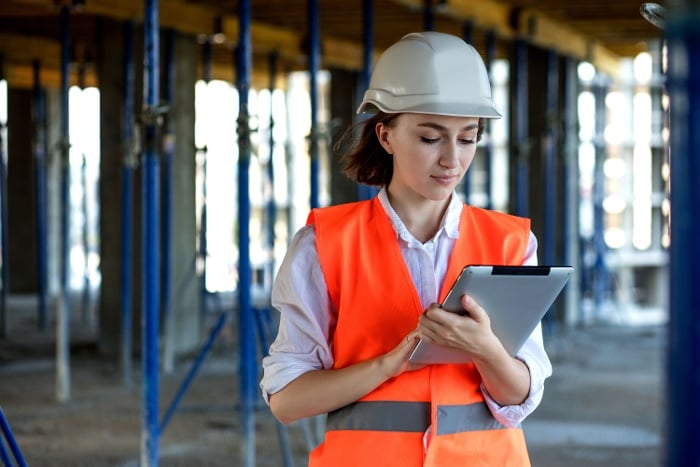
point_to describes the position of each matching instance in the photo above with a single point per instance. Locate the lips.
(445, 179)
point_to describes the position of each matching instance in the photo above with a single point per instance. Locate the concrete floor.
(603, 405)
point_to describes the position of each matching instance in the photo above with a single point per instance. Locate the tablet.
(516, 299)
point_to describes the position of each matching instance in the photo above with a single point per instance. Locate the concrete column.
(186, 332)
(185, 286)
(111, 82)
(21, 193)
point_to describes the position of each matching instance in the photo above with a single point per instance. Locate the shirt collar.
(449, 223)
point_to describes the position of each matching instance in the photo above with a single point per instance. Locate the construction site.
(158, 157)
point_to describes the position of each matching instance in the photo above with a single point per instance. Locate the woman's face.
(431, 153)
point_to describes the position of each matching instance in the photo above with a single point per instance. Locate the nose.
(449, 156)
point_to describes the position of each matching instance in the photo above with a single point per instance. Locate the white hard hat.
(431, 73)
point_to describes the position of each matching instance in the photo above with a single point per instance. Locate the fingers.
(475, 310)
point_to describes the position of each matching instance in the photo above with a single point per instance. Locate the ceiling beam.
(198, 20)
(529, 24)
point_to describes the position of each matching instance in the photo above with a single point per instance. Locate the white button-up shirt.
(307, 315)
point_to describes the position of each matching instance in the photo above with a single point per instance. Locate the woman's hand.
(506, 378)
(396, 361)
(470, 333)
(321, 391)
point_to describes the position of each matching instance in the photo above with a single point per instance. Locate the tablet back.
(516, 299)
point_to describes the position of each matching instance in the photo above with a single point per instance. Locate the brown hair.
(364, 159)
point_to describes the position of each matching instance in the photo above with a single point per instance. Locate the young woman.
(360, 283)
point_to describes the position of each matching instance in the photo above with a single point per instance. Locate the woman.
(360, 283)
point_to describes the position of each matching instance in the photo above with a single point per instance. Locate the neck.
(421, 217)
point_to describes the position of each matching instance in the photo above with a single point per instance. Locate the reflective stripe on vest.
(412, 417)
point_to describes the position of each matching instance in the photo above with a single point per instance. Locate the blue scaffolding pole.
(127, 206)
(3, 226)
(63, 318)
(86, 302)
(206, 65)
(271, 206)
(522, 138)
(314, 64)
(550, 166)
(600, 277)
(428, 16)
(570, 196)
(682, 431)
(467, 33)
(7, 434)
(366, 191)
(488, 147)
(41, 199)
(149, 246)
(246, 331)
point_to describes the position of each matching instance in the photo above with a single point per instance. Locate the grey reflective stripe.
(411, 417)
(461, 418)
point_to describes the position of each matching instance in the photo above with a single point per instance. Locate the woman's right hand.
(396, 360)
(321, 391)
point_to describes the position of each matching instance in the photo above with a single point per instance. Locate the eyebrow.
(473, 126)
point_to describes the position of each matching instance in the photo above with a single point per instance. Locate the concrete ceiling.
(601, 31)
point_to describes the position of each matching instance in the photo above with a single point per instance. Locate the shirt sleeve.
(534, 356)
(299, 293)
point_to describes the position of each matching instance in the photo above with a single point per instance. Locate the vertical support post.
(366, 191)
(467, 35)
(168, 149)
(570, 195)
(314, 64)
(86, 292)
(206, 65)
(488, 147)
(428, 16)
(127, 205)
(4, 242)
(63, 318)
(270, 207)
(41, 199)
(522, 137)
(550, 158)
(600, 281)
(149, 246)
(246, 330)
(550, 169)
(683, 359)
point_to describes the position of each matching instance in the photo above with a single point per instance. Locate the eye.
(427, 140)
(467, 141)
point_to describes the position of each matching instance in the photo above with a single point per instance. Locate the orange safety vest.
(371, 287)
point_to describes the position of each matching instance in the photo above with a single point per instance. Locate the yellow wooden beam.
(547, 33)
(21, 76)
(532, 25)
(197, 20)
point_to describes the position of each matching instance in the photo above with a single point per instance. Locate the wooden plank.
(548, 32)
(21, 76)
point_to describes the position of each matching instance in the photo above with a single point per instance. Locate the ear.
(382, 132)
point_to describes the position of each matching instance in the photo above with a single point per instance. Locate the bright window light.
(586, 72)
(642, 117)
(615, 238)
(643, 68)
(641, 187)
(614, 167)
(586, 116)
(3, 101)
(614, 204)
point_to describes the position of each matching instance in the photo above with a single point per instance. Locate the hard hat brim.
(451, 109)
